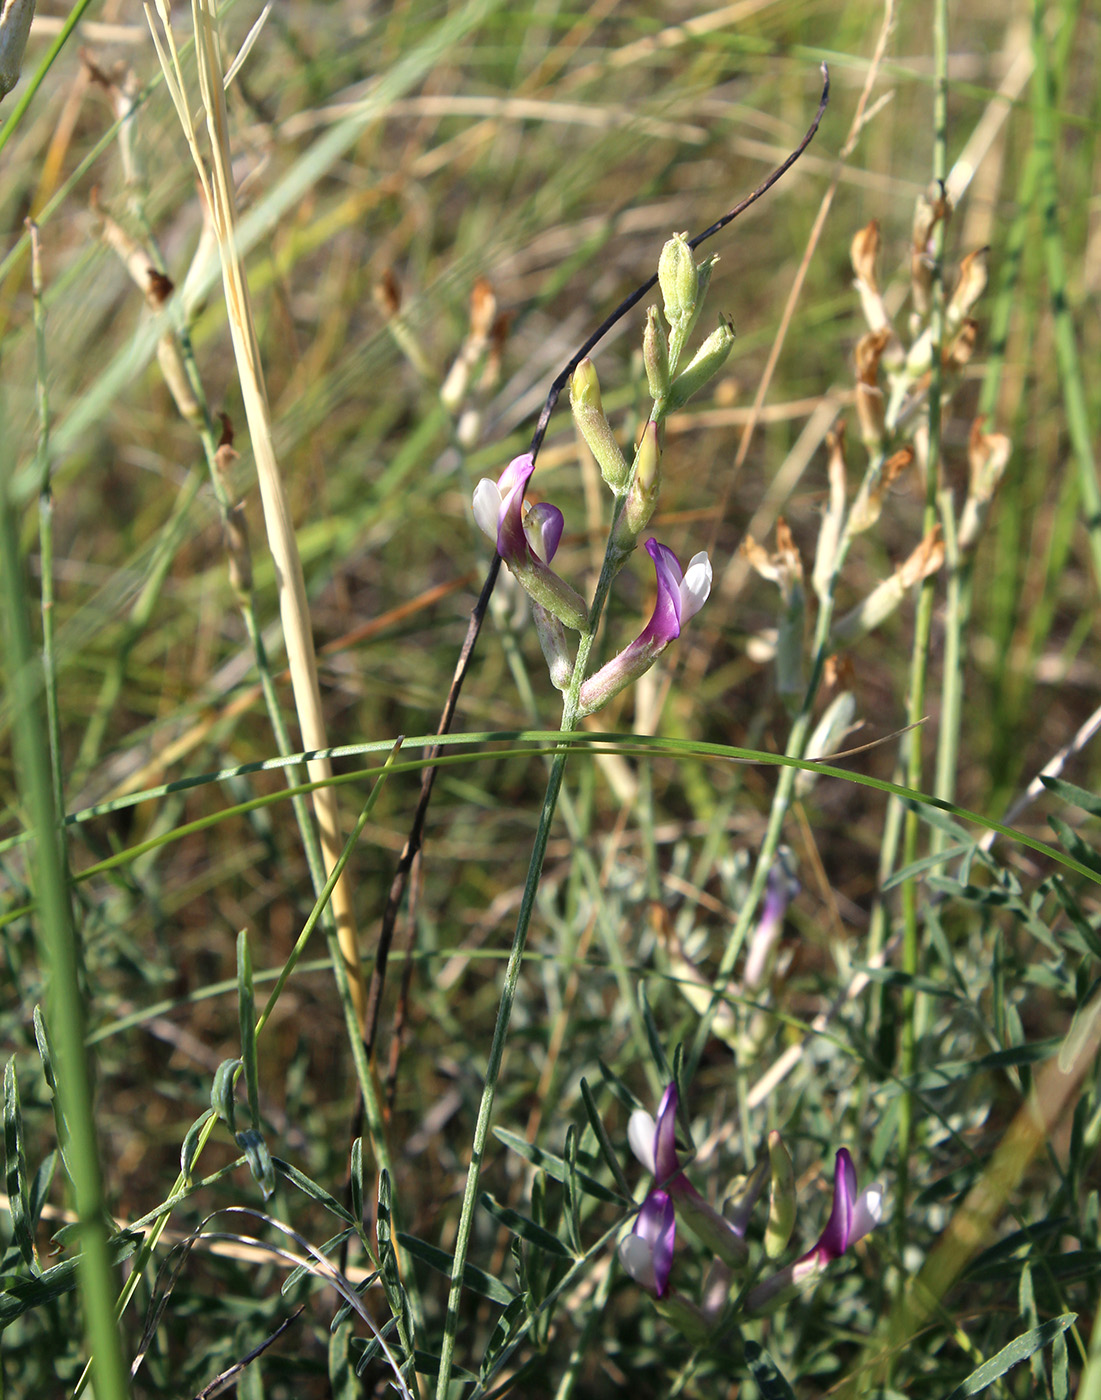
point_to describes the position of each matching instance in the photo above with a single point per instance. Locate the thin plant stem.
(60, 953)
(45, 523)
(1066, 345)
(219, 188)
(922, 632)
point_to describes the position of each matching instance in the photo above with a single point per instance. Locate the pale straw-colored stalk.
(216, 179)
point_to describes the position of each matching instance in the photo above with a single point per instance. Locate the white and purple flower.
(854, 1215)
(680, 597)
(647, 1252)
(527, 538)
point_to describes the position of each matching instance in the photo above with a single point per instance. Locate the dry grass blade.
(218, 185)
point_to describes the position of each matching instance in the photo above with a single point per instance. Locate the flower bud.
(555, 645)
(642, 496)
(781, 1204)
(705, 364)
(679, 280)
(655, 353)
(588, 414)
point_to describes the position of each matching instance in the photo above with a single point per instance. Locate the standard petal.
(641, 1132)
(512, 544)
(839, 1228)
(666, 1162)
(664, 626)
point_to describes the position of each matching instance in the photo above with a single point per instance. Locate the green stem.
(923, 626)
(1066, 346)
(60, 953)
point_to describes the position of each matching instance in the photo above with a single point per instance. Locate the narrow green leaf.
(382, 1220)
(770, 1379)
(508, 1324)
(246, 1006)
(1074, 796)
(573, 1191)
(618, 1088)
(312, 1268)
(428, 1364)
(45, 1049)
(46, 1054)
(552, 1165)
(25, 1294)
(342, 1378)
(19, 1200)
(311, 1189)
(657, 1050)
(477, 1280)
(892, 977)
(252, 1144)
(1060, 1376)
(526, 1229)
(607, 1151)
(222, 1097)
(355, 1178)
(40, 1187)
(1018, 1350)
(190, 1146)
(1073, 844)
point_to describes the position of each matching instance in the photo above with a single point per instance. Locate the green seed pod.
(642, 497)
(705, 364)
(588, 414)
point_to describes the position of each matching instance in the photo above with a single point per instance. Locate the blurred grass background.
(549, 149)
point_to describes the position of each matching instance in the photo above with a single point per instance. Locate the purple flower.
(527, 539)
(854, 1215)
(680, 597)
(647, 1252)
(781, 889)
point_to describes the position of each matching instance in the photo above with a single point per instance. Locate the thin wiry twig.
(416, 830)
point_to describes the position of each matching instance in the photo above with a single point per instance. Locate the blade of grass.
(60, 953)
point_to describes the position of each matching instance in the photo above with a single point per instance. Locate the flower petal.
(867, 1212)
(838, 1233)
(487, 506)
(637, 1259)
(695, 586)
(543, 527)
(657, 1225)
(664, 626)
(641, 1134)
(512, 543)
(666, 1162)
